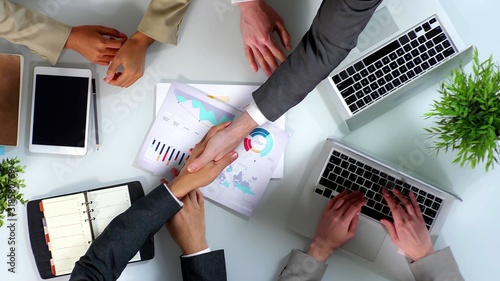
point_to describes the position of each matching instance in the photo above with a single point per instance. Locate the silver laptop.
(407, 45)
(342, 167)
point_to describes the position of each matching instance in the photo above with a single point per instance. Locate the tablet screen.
(60, 110)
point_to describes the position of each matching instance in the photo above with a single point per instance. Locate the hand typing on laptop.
(338, 225)
(408, 230)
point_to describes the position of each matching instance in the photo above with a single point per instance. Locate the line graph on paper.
(184, 118)
(206, 114)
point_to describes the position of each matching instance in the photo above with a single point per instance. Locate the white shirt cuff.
(207, 250)
(256, 114)
(178, 201)
(234, 2)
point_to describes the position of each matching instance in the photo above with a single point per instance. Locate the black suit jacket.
(124, 236)
(332, 35)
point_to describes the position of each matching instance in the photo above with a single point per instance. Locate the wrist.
(423, 255)
(71, 38)
(249, 4)
(178, 188)
(242, 126)
(142, 39)
(195, 248)
(318, 251)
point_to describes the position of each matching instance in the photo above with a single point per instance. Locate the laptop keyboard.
(397, 63)
(343, 172)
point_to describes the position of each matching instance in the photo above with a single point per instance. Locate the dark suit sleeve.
(332, 35)
(205, 267)
(124, 236)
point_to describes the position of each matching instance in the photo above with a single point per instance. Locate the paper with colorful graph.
(237, 95)
(183, 119)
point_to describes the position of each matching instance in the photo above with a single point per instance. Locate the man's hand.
(131, 56)
(258, 22)
(186, 181)
(98, 44)
(408, 231)
(337, 224)
(187, 227)
(224, 141)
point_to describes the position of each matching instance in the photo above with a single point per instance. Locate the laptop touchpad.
(380, 26)
(367, 241)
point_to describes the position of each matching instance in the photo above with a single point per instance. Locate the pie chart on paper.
(260, 141)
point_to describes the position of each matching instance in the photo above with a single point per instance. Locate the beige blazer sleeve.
(40, 33)
(163, 18)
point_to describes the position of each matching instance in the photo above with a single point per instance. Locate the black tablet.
(60, 110)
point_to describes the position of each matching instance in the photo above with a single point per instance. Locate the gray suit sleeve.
(302, 267)
(125, 235)
(440, 266)
(205, 267)
(332, 35)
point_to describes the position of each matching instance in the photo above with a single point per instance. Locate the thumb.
(226, 160)
(110, 74)
(390, 229)
(354, 224)
(200, 162)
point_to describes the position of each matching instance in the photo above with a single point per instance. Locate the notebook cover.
(11, 67)
(39, 247)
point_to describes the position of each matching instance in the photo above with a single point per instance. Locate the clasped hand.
(107, 46)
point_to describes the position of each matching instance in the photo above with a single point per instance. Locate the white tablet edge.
(72, 72)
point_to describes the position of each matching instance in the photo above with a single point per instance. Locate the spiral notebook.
(63, 227)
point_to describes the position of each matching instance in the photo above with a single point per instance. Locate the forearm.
(162, 20)
(125, 235)
(205, 267)
(304, 267)
(325, 45)
(38, 32)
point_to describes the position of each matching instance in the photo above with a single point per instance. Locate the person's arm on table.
(187, 228)
(409, 233)
(110, 252)
(48, 37)
(258, 22)
(332, 35)
(161, 22)
(337, 225)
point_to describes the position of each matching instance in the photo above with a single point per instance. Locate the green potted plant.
(10, 186)
(467, 115)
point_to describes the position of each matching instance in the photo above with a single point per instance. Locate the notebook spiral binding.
(87, 203)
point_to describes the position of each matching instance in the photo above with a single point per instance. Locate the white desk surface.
(210, 49)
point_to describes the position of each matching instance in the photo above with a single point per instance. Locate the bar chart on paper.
(162, 152)
(184, 118)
